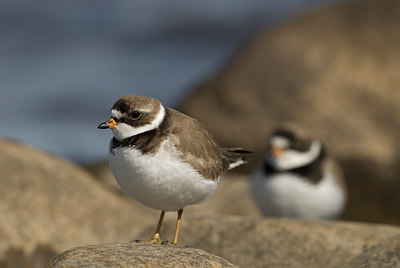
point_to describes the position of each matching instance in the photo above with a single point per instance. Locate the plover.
(298, 179)
(164, 159)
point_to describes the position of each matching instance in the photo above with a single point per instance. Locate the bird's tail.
(234, 157)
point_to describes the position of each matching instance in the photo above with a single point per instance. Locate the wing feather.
(198, 147)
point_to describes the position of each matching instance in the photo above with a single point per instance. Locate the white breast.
(161, 180)
(287, 195)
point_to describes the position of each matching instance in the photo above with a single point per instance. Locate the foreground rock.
(255, 242)
(137, 255)
(384, 254)
(332, 72)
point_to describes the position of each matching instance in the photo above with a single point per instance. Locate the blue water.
(64, 63)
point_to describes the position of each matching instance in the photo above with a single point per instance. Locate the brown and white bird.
(298, 179)
(164, 159)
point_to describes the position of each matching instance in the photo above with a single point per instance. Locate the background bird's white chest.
(160, 180)
(287, 195)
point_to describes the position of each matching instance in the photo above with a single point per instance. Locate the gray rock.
(385, 255)
(137, 255)
(256, 242)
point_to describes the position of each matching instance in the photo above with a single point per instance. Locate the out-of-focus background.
(64, 63)
(239, 67)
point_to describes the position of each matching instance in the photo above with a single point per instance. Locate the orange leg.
(178, 223)
(156, 238)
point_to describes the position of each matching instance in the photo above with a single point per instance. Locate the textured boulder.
(137, 255)
(255, 242)
(385, 254)
(334, 72)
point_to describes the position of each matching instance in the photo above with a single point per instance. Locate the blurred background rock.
(239, 67)
(336, 73)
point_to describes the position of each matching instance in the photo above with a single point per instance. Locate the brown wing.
(196, 144)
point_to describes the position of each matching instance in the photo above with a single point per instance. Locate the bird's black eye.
(136, 115)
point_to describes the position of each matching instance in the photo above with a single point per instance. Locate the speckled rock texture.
(137, 255)
(256, 242)
(385, 254)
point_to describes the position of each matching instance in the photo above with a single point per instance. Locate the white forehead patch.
(122, 131)
(117, 114)
(279, 142)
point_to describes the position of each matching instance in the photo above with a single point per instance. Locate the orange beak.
(277, 151)
(109, 124)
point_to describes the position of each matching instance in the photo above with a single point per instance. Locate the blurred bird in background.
(297, 178)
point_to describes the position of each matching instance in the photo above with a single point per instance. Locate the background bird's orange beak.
(109, 124)
(277, 151)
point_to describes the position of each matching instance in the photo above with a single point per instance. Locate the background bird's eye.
(136, 115)
(296, 144)
(301, 145)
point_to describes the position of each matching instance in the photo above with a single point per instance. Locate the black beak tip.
(103, 126)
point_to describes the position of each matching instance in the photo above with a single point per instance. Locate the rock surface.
(137, 255)
(255, 242)
(335, 73)
(385, 254)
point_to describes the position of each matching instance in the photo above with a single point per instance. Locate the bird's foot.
(152, 241)
(155, 241)
(169, 243)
